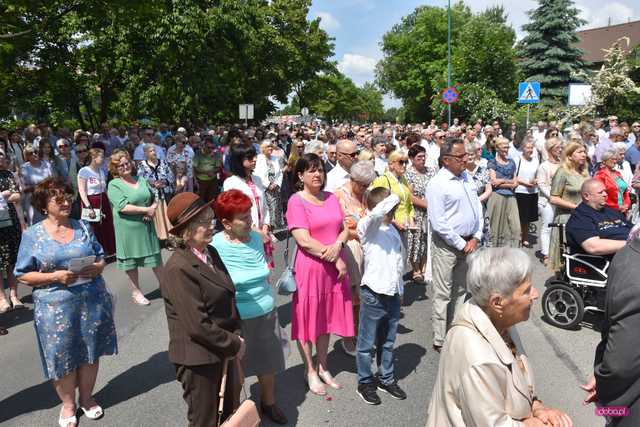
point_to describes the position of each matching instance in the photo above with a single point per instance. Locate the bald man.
(347, 153)
(595, 228)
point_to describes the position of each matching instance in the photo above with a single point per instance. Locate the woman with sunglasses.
(133, 208)
(33, 172)
(73, 311)
(394, 179)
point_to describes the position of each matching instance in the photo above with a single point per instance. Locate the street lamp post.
(449, 54)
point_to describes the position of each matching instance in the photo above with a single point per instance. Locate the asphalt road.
(138, 388)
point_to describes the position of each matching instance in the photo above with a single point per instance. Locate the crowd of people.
(370, 208)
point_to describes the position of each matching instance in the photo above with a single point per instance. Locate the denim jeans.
(379, 316)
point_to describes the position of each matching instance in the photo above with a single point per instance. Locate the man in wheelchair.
(595, 228)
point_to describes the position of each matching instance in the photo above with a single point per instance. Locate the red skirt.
(104, 229)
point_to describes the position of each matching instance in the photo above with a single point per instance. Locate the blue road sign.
(528, 93)
(450, 95)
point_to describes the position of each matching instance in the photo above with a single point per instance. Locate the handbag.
(247, 413)
(286, 284)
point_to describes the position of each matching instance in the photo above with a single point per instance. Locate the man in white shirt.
(379, 153)
(347, 153)
(429, 144)
(455, 215)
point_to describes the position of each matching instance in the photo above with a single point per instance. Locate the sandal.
(315, 385)
(329, 380)
(3, 331)
(17, 304)
(526, 244)
(64, 422)
(4, 306)
(93, 413)
(274, 413)
(139, 298)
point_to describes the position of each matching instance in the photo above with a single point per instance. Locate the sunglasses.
(62, 198)
(81, 151)
(352, 155)
(402, 162)
(62, 145)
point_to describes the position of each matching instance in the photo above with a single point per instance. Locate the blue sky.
(358, 25)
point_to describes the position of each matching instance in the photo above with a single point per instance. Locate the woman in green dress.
(565, 193)
(133, 207)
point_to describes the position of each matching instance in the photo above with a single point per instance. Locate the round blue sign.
(450, 95)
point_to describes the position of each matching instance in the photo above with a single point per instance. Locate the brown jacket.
(199, 301)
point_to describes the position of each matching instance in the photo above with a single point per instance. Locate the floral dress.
(10, 231)
(74, 323)
(481, 178)
(417, 242)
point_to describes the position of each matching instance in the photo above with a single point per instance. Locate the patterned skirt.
(274, 204)
(74, 326)
(417, 243)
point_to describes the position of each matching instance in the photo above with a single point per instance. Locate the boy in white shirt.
(380, 296)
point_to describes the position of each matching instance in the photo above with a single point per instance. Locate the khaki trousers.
(449, 285)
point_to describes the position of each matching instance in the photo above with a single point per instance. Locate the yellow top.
(404, 212)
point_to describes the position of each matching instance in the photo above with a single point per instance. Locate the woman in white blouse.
(544, 176)
(242, 163)
(269, 170)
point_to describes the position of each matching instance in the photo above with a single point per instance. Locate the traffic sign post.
(528, 93)
(450, 95)
(245, 112)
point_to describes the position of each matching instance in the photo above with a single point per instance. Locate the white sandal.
(140, 299)
(94, 413)
(64, 422)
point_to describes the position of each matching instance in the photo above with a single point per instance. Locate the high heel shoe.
(315, 385)
(329, 380)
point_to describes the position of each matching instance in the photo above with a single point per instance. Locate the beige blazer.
(479, 382)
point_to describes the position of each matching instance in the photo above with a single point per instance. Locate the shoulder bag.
(286, 284)
(247, 413)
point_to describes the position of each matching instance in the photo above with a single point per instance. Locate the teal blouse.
(249, 271)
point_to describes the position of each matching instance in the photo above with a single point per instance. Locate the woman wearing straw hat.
(204, 328)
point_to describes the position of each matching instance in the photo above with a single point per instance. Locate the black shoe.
(393, 389)
(274, 414)
(368, 393)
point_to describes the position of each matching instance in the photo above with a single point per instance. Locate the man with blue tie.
(455, 215)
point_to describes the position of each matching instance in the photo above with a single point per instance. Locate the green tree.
(548, 53)
(476, 102)
(415, 55)
(174, 60)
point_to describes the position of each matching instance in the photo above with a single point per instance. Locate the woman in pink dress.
(322, 302)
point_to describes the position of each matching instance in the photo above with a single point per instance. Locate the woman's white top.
(527, 170)
(259, 212)
(96, 181)
(262, 169)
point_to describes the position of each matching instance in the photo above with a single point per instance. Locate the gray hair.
(147, 147)
(471, 147)
(497, 271)
(609, 153)
(447, 145)
(313, 146)
(363, 172)
(620, 146)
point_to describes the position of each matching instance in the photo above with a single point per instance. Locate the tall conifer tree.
(548, 52)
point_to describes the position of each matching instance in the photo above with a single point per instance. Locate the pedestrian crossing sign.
(528, 93)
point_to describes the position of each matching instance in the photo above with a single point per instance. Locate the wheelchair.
(579, 286)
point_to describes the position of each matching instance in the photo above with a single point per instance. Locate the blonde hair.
(501, 140)
(365, 155)
(568, 164)
(552, 143)
(115, 162)
(396, 155)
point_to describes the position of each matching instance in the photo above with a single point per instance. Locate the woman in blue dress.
(73, 311)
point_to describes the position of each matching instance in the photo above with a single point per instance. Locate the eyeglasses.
(62, 198)
(402, 162)
(62, 145)
(352, 155)
(457, 156)
(81, 151)
(124, 165)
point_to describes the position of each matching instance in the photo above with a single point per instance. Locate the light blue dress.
(74, 324)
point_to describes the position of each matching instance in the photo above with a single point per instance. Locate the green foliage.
(172, 60)
(548, 51)
(476, 102)
(394, 115)
(414, 67)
